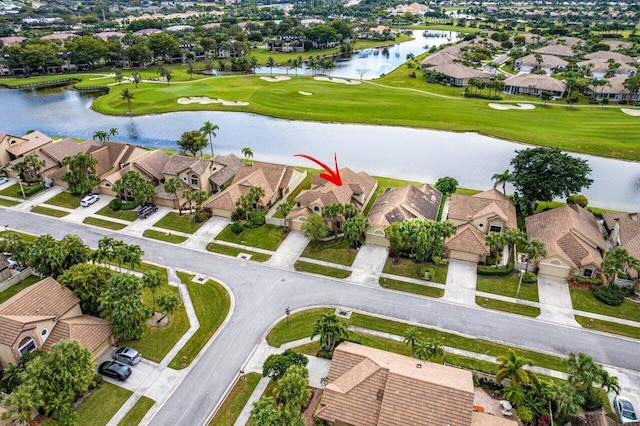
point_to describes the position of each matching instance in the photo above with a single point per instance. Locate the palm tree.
(535, 249)
(208, 128)
(331, 213)
(332, 331)
(172, 186)
(188, 195)
(153, 281)
(411, 336)
(292, 390)
(270, 63)
(246, 151)
(284, 209)
(168, 303)
(113, 131)
(512, 367)
(126, 95)
(607, 382)
(135, 77)
(501, 179)
(428, 348)
(566, 399)
(101, 135)
(615, 262)
(495, 241)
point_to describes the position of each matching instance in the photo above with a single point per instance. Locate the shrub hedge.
(495, 270)
(588, 281)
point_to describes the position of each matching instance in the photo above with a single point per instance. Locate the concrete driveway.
(207, 233)
(555, 301)
(39, 198)
(138, 226)
(461, 282)
(79, 214)
(368, 265)
(289, 250)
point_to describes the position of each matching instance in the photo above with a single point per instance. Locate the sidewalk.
(27, 205)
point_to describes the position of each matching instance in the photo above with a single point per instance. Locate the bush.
(529, 278)
(439, 261)
(578, 199)
(495, 270)
(482, 96)
(588, 281)
(33, 190)
(323, 353)
(237, 228)
(256, 219)
(611, 295)
(115, 204)
(130, 205)
(427, 273)
(202, 215)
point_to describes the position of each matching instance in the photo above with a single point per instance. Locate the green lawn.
(175, 222)
(164, 236)
(135, 415)
(321, 269)
(423, 290)
(235, 401)
(584, 300)
(8, 203)
(507, 286)
(156, 342)
(65, 199)
(233, 251)
(15, 192)
(609, 327)
(513, 308)
(298, 326)
(129, 215)
(101, 405)
(29, 238)
(339, 252)
(408, 268)
(104, 223)
(13, 290)
(267, 237)
(212, 304)
(49, 212)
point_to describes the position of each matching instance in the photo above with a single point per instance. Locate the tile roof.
(407, 202)
(569, 232)
(90, 332)
(542, 82)
(110, 154)
(439, 58)
(548, 61)
(230, 165)
(629, 230)
(617, 57)
(58, 150)
(601, 65)
(34, 140)
(467, 239)
(489, 203)
(616, 85)
(457, 70)
(556, 50)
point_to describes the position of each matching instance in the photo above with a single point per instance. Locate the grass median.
(234, 251)
(510, 307)
(321, 269)
(609, 327)
(49, 212)
(107, 224)
(164, 236)
(135, 415)
(235, 402)
(421, 289)
(102, 405)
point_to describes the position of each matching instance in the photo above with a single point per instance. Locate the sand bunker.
(503, 107)
(633, 112)
(203, 100)
(276, 78)
(306, 93)
(336, 80)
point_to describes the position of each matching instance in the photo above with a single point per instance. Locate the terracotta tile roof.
(90, 332)
(57, 151)
(408, 202)
(556, 50)
(489, 203)
(541, 82)
(230, 165)
(467, 239)
(372, 387)
(178, 163)
(569, 232)
(149, 165)
(617, 57)
(457, 70)
(110, 154)
(328, 193)
(629, 234)
(34, 140)
(548, 61)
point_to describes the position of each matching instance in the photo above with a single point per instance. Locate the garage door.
(463, 255)
(558, 271)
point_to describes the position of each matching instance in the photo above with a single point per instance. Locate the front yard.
(267, 237)
(583, 300)
(339, 252)
(410, 269)
(129, 215)
(15, 191)
(65, 199)
(507, 286)
(175, 222)
(102, 404)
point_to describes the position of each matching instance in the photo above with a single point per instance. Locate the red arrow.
(331, 175)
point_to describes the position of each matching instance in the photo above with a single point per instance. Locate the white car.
(624, 408)
(3, 180)
(88, 200)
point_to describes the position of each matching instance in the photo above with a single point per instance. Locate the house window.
(587, 272)
(195, 180)
(495, 228)
(379, 394)
(27, 345)
(316, 209)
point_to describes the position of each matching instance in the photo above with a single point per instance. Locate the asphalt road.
(262, 292)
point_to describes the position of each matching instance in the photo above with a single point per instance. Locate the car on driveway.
(12, 263)
(624, 409)
(127, 355)
(88, 200)
(147, 211)
(3, 180)
(115, 370)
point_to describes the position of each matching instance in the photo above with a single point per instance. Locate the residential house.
(457, 74)
(614, 91)
(398, 204)
(559, 50)
(623, 230)
(475, 216)
(614, 56)
(572, 240)
(149, 164)
(276, 180)
(548, 63)
(44, 314)
(287, 44)
(441, 57)
(370, 387)
(600, 68)
(13, 147)
(356, 189)
(534, 84)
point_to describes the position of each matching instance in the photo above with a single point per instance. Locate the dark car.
(127, 355)
(147, 211)
(115, 370)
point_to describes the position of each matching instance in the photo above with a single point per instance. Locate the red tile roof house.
(42, 315)
(356, 189)
(475, 216)
(624, 231)
(371, 387)
(572, 240)
(398, 204)
(14, 147)
(148, 164)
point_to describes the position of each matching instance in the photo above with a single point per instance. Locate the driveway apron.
(207, 233)
(289, 250)
(461, 282)
(555, 301)
(368, 265)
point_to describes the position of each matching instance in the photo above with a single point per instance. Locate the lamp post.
(519, 284)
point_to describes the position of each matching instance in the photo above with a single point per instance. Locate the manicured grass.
(145, 266)
(513, 308)
(309, 349)
(15, 192)
(321, 269)
(233, 404)
(13, 290)
(156, 342)
(25, 237)
(49, 212)
(164, 236)
(584, 300)
(609, 327)
(423, 290)
(135, 415)
(233, 251)
(507, 286)
(65, 199)
(212, 304)
(298, 326)
(339, 252)
(102, 404)
(267, 237)
(175, 222)
(129, 215)
(306, 184)
(104, 223)
(8, 203)
(408, 268)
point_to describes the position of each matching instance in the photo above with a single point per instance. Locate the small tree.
(276, 365)
(168, 302)
(247, 152)
(127, 95)
(314, 229)
(171, 186)
(354, 230)
(284, 208)
(411, 336)
(447, 185)
(332, 331)
(426, 349)
(153, 281)
(122, 305)
(192, 141)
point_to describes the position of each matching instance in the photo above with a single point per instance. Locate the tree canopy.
(122, 305)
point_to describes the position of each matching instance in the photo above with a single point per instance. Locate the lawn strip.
(137, 412)
(164, 236)
(410, 269)
(513, 308)
(298, 326)
(235, 402)
(181, 223)
(49, 212)
(102, 405)
(266, 237)
(8, 203)
(129, 215)
(314, 268)
(423, 290)
(65, 199)
(609, 327)
(115, 226)
(339, 252)
(234, 251)
(507, 286)
(584, 300)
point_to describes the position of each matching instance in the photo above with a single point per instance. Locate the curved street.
(262, 292)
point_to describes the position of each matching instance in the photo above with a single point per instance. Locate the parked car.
(3, 180)
(12, 262)
(624, 408)
(127, 355)
(147, 211)
(88, 200)
(115, 370)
